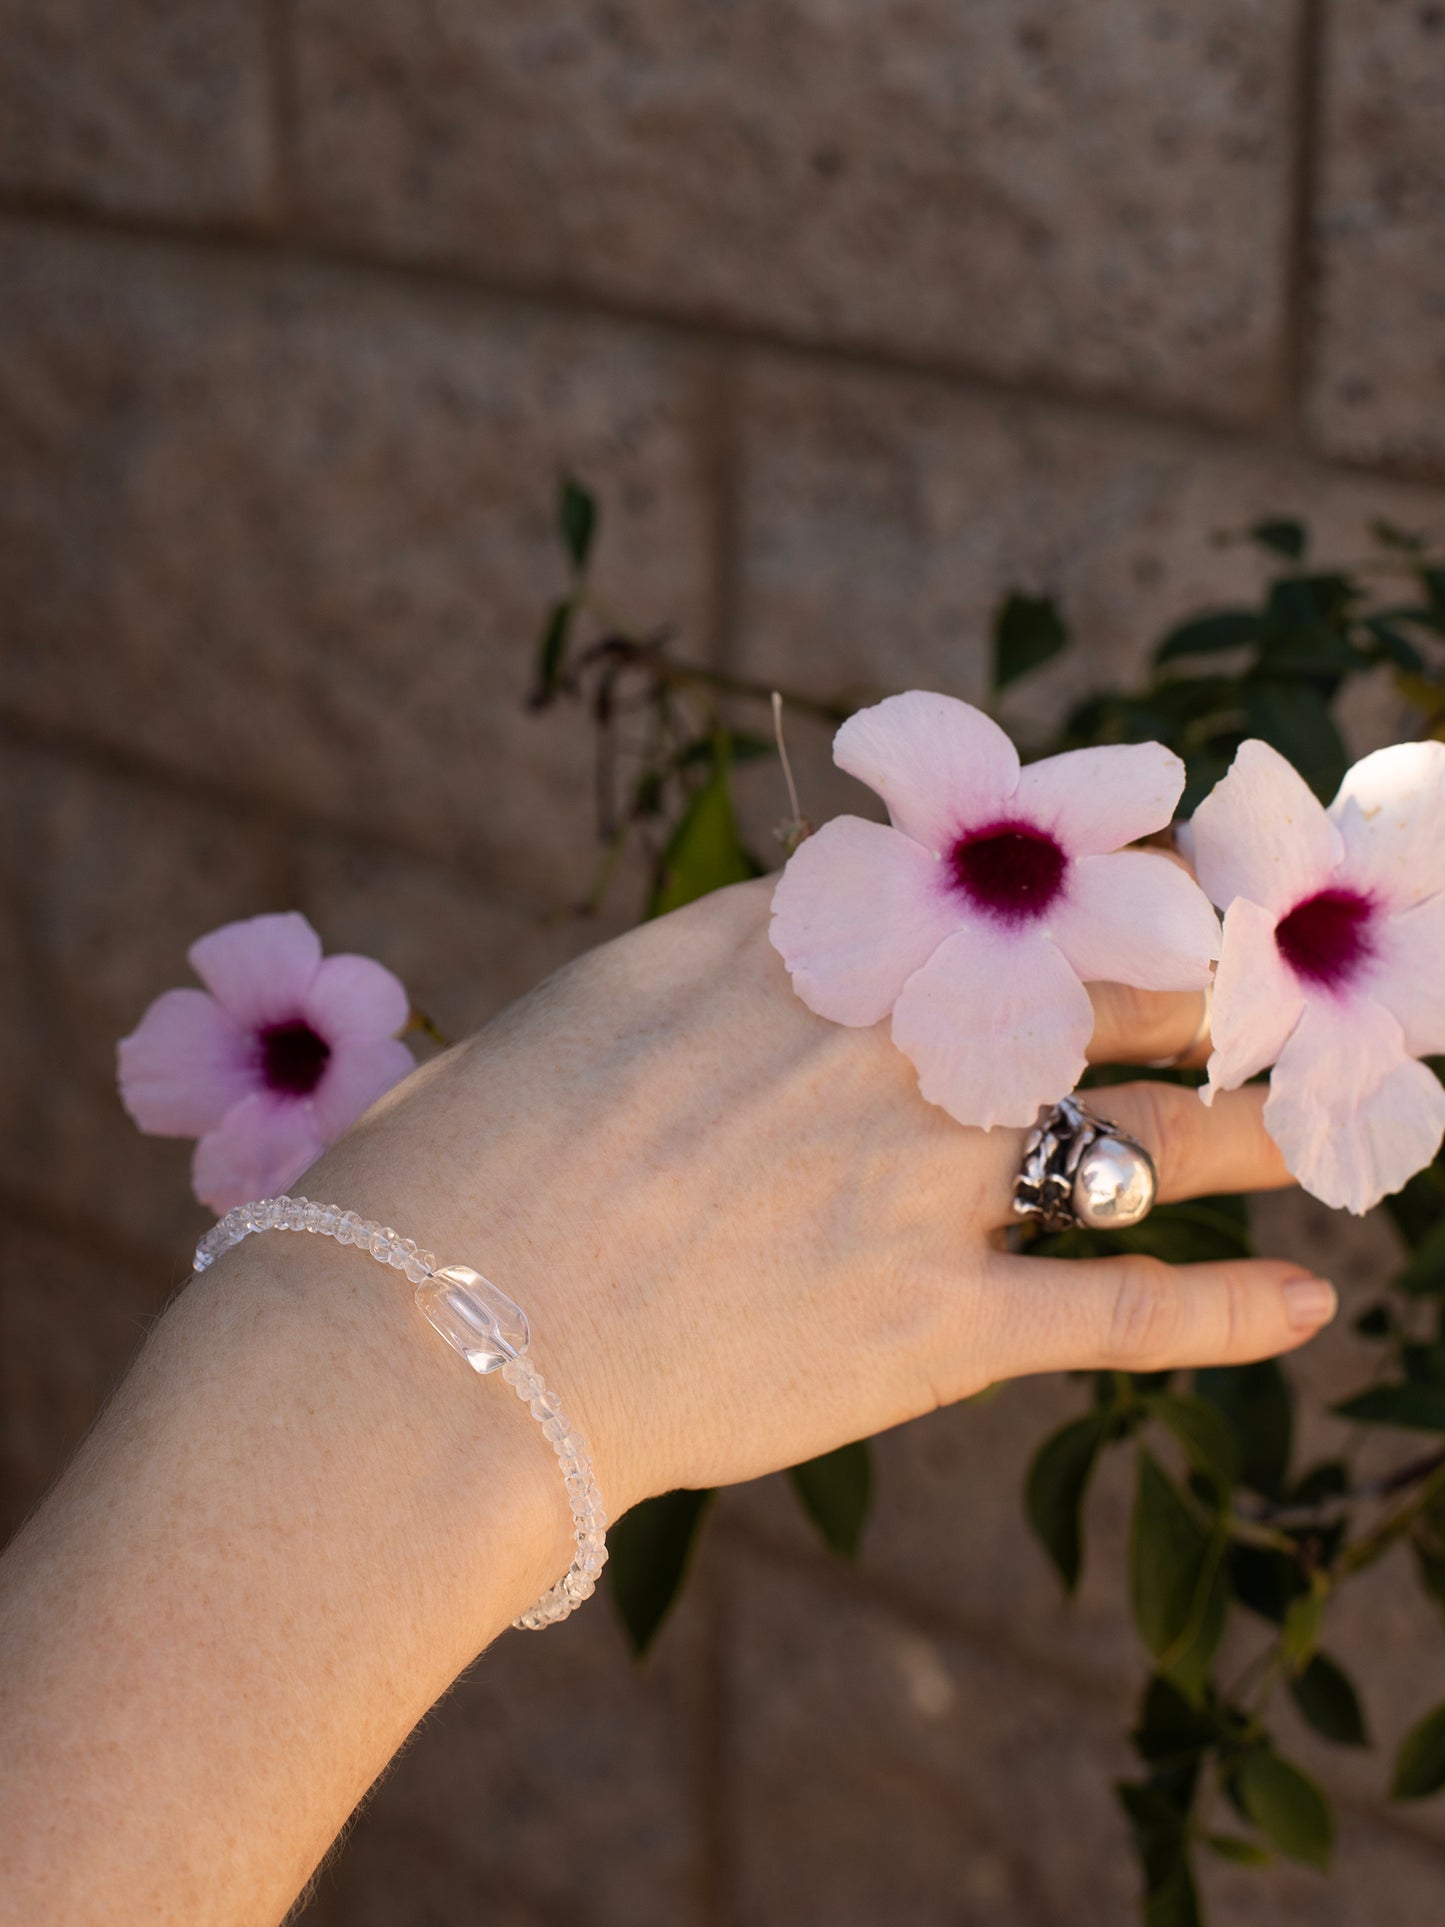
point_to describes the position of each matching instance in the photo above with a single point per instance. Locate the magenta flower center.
(1327, 937)
(1011, 870)
(293, 1057)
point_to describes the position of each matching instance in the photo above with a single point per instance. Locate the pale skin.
(742, 1238)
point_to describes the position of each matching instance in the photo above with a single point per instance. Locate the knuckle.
(1164, 1120)
(1147, 1311)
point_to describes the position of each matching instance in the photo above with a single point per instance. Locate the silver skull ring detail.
(1079, 1169)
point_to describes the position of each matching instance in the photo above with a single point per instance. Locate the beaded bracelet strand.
(490, 1332)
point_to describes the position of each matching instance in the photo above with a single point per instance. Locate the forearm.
(298, 1519)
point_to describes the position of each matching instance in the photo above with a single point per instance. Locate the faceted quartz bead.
(474, 1317)
(489, 1330)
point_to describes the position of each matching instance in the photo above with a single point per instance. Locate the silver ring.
(1080, 1170)
(1188, 1050)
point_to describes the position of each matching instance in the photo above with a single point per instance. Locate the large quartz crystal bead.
(475, 1318)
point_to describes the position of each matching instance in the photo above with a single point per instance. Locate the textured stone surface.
(292, 531)
(153, 106)
(940, 1792)
(461, 953)
(883, 518)
(122, 878)
(1379, 357)
(556, 1782)
(1095, 193)
(70, 1322)
(957, 1786)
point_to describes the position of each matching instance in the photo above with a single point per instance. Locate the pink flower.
(1333, 966)
(281, 1052)
(977, 918)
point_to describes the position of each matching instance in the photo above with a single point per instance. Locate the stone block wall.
(854, 317)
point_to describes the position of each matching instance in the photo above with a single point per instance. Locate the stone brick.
(1093, 194)
(70, 1322)
(22, 971)
(152, 108)
(290, 530)
(948, 1536)
(462, 954)
(883, 518)
(1378, 389)
(123, 878)
(556, 1782)
(881, 1770)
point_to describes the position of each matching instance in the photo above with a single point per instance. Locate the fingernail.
(1309, 1302)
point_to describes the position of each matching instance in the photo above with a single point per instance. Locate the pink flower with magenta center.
(1333, 964)
(279, 1055)
(975, 919)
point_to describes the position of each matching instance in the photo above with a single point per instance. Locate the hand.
(742, 1236)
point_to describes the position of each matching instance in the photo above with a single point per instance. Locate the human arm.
(742, 1238)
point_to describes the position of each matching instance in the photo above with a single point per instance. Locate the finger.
(1198, 1150)
(1148, 1026)
(1135, 1314)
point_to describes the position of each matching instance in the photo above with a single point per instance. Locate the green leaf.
(1414, 1408)
(1392, 536)
(1267, 1582)
(1202, 1430)
(1028, 631)
(1302, 1624)
(1174, 1902)
(552, 651)
(1283, 535)
(1286, 1805)
(1176, 1579)
(704, 852)
(1258, 1405)
(1423, 1275)
(1393, 646)
(1158, 1825)
(1186, 1234)
(1326, 1696)
(836, 1491)
(1418, 1206)
(1054, 1491)
(1206, 635)
(1172, 1728)
(649, 1549)
(576, 521)
(1233, 1846)
(1294, 718)
(1420, 1763)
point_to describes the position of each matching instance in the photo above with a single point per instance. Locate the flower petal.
(1096, 800)
(939, 764)
(358, 1071)
(1390, 810)
(858, 908)
(355, 997)
(184, 1065)
(1261, 833)
(995, 1024)
(261, 968)
(260, 1147)
(1353, 1112)
(1135, 918)
(1257, 999)
(1407, 973)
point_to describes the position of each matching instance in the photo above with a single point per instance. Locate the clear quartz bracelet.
(490, 1332)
